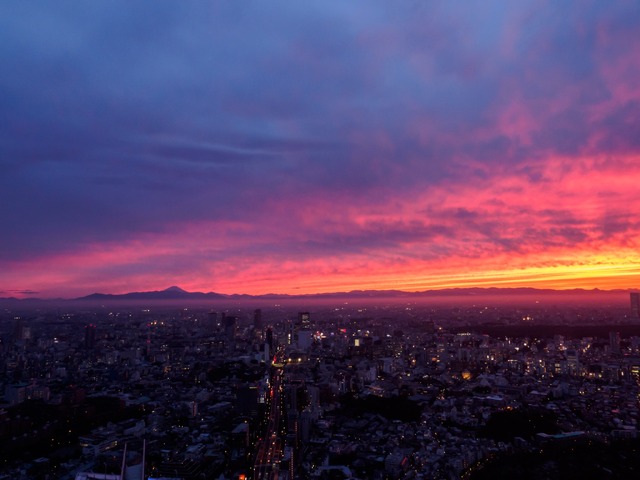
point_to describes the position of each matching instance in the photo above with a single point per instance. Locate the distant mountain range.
(171, 293)
(177, 293)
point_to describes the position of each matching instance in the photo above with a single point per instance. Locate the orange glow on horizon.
(603, 277)
(312, 278)
(500, 231)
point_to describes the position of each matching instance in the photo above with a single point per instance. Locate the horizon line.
(30, 295)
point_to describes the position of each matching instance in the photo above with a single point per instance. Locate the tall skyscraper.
(18, 329)
(89, 336)
(269, 339)
(304, 318)
(614, 342)
(257, 320)
(635, 305)
(229, 324)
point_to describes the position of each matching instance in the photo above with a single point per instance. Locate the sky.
(301, 147)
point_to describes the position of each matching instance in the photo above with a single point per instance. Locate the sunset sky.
(300, 147)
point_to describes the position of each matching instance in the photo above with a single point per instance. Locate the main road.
(269, 448)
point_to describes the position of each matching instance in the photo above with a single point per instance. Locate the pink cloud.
(501, 230)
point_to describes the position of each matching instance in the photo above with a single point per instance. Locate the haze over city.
(305, 147)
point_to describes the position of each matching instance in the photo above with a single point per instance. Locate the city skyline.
(328, 147)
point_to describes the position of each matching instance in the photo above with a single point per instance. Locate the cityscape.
(364, 239)
(355, 388)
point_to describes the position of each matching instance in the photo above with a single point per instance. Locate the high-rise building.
(635, 305)
(291, 332)
(18, 329)
(89, 336)
(269, 339)
(294, 326)
(257, 322)
(304, 318)
(229, 324)
(304, 339)
(213, 319)
(614, 342)
(573, 362)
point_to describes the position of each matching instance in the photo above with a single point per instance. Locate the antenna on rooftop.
(124, 462)
(144, 456)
